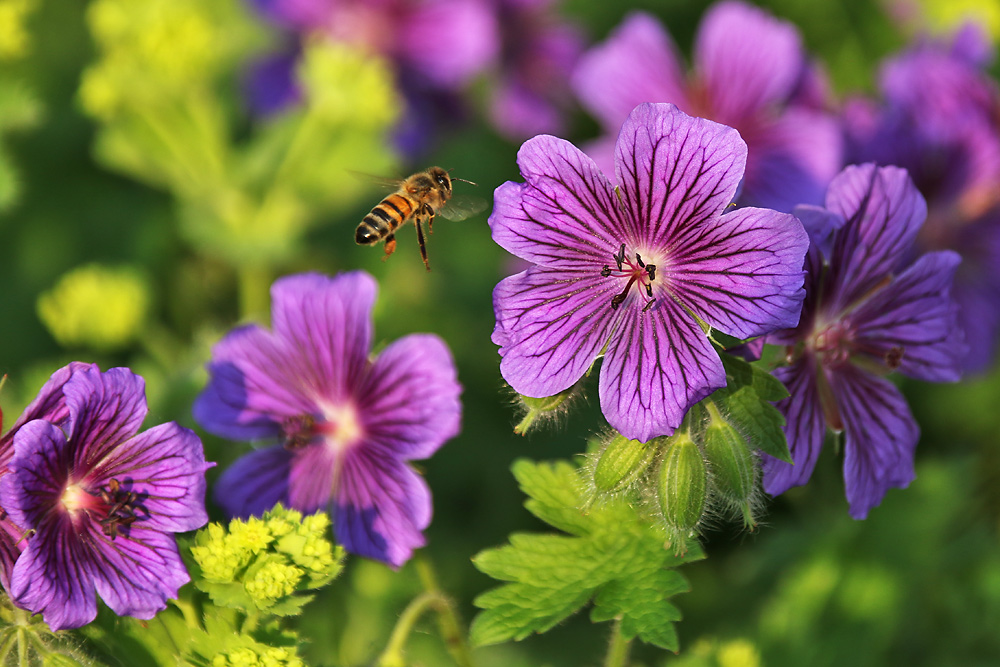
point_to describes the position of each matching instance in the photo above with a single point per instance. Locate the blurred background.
(160, 166)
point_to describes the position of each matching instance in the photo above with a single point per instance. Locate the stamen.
(649, 304)
(606, 271)
(651, 270)
(639, 260)
(636, 272)
(620, 257)
(121, 512)
(618, 298)
(894, 357)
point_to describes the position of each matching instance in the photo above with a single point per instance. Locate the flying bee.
(419, 198)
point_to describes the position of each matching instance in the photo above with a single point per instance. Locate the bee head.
(440, 178)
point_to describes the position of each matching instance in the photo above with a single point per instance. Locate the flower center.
(338, 426)
(835, 344)
(114, 507)
(637, 273)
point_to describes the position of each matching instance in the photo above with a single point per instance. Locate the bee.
(419, 198)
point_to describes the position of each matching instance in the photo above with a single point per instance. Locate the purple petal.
(62, 591)
(166, 466)
(741, 272)
(381, 508)
(820, 224)
(411, 398)
(38, 473)
(551, 326)
(105, 409)
(637, 63)
(880, 436)
(805, 428)
(49, 404)
(11, 544)
(564, 215)
(447, 41)
(659, 363)
(253, 384)
(791, 159)
(518, 112)
(979, 319)
(136, 576)
(602, 152)
(255, 482)
(915, 316)
(314, 474)
(675, 171)
(747, 60)
(884, 212)
(326, 323)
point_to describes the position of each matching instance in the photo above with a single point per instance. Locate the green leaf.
(746, 404)
(614, 555)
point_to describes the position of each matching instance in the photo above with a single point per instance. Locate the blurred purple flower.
(749, 72)
(869, 309)
(940, 122)
(100, 499)
(538, 52)
(434, 46)
(347, 424)
(630, 271)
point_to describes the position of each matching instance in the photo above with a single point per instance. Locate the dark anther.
(651, 270)
(639, 260)
(894, 357)
(649, 304)
(121, 512)
(620, 257)
(606, 271)
(617, 301)
(649, 290)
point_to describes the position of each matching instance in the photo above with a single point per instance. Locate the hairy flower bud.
(544, 409)
(682, 484)
(734, 470)
(622, 462)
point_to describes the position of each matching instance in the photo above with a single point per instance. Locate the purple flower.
(750, 72)
(869, 310)
(538, 52)
(435, 48)
(101, 499)
(940, 122)
(347, 424)
(632, 270)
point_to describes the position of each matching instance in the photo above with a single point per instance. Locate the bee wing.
(461, 207)
(383, 183)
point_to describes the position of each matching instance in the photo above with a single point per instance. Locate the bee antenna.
(464, 181)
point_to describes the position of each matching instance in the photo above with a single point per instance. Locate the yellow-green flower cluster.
(14, 38)
(247, 657)
(95, 306)
(153, 49)
(269, 558)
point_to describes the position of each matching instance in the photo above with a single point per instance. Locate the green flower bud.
(272, 581)
(682, 484)
(621, 463)
(732, 463)
(544, 409)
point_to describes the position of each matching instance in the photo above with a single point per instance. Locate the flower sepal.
(732, 464)
(544, 410)
(622, 464)
(681, 488)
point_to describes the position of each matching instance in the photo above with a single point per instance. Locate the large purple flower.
(102, 500)
(632, 270)
(940, 122)
(750, 72)
(347, 424)
(869, 310)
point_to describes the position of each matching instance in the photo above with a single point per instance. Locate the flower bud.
(621, 463)
(544, 409)
(734, 470)
(682, 484)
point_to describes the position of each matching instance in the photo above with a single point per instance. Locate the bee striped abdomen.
(384, 219)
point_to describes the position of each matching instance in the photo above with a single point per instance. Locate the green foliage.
(613, 555)
(745, 402)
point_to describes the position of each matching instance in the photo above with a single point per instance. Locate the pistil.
(638, 273)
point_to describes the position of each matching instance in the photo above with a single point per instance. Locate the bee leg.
(390, 246)
(418, 222)
(430, 220)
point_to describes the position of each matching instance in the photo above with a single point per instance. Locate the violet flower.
(346, 424)
(631, 270)
(538, 50)
(50, 405)
(868, 310)
(749, 72)
(940, 122)
(100, 499)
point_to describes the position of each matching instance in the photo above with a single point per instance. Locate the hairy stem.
(618, 647)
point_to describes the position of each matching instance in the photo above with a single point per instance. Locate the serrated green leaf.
(613, 552)
(746, 404)
(232, 595)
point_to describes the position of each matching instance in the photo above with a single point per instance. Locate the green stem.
(618, 647)
(393, 656)
(254, 285)
(449, 626)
